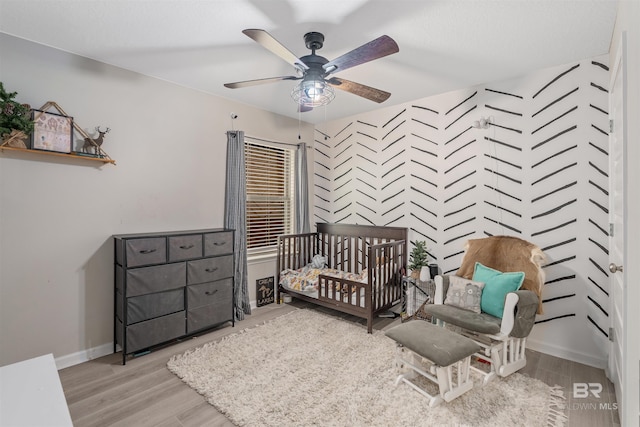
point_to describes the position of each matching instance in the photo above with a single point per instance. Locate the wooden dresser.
(171, 285)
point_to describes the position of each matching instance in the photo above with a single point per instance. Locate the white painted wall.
(57, 216)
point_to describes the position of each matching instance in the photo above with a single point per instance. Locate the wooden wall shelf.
(54, 153)
(104, 157)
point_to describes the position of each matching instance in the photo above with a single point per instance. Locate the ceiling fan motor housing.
(314, 40)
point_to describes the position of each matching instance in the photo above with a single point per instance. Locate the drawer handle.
(210, 270)
(147, 251)
(186, 246)
(210, 292)
(219, 243)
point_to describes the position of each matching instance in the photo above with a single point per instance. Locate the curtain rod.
(270, 141)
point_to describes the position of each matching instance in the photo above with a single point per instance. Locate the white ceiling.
(444, 45)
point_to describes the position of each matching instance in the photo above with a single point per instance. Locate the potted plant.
(418, 258)
(15, 120)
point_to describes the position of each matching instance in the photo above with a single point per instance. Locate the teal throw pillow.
(497, 286)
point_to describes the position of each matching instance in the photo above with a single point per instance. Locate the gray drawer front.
(185, 247)
(207, 316)
(209, 269)
(146, 251)
(218, 243)
(148, 306)
(218, 292)
(155, 331)
(145, 280)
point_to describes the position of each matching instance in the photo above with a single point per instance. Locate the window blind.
(269, 175)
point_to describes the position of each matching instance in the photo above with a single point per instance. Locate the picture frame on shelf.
(52, 132)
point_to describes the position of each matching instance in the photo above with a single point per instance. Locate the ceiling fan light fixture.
(315, 90)
(312, 93)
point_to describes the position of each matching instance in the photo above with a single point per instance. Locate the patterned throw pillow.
(464, 293)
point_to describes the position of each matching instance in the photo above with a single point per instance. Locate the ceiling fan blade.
(368, 92)
(382, 46)
(246, 83)
(267, 41)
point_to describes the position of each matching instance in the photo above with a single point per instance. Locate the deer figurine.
(94, 143)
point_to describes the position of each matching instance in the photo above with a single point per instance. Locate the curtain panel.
(235, 218)
(302, 191)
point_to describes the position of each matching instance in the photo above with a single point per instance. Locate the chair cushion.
(497, 286)
(439, 345)
(464, 293)
(478, 322)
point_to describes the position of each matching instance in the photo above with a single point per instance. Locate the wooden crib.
(377, 254)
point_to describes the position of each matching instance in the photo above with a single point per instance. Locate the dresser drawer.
(145, 307)
(208, 316)
(209, 269)
(155, 331)
(158, 278)
(185, 247)
(210, 293)
(218, 243)
(146, 251)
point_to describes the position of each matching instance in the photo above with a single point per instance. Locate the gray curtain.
(302, 190)
(235, 217)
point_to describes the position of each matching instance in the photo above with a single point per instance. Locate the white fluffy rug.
(306, 368)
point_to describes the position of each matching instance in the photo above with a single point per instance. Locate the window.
(270, 195)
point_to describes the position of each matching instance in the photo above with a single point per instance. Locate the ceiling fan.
(315, 89)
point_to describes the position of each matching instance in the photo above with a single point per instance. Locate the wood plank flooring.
(103, 392)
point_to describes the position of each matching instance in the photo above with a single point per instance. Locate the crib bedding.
(305, 279)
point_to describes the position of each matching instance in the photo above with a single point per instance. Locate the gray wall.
(540, 173)
(57, 215)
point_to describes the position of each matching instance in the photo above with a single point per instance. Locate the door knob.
(615, 268)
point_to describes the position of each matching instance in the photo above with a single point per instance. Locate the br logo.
(582, 390)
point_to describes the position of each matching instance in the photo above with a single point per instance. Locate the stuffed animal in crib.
(318, 261)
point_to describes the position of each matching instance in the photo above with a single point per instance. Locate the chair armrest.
(442, 284)
(519, 313)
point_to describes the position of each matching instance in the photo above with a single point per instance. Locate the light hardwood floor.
(103, 392)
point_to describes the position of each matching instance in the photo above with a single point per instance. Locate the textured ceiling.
(444, 45)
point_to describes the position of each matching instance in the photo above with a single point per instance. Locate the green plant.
(13, 115)
(419, 257)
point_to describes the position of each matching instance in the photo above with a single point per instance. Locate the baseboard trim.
(83, 356)
(565, 353)
(106, 349)
(95, 352)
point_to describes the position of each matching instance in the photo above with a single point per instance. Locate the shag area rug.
(307, 368)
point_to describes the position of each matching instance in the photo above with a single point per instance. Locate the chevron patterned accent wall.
(539, 172)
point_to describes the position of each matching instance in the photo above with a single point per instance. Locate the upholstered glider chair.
(493, 299)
